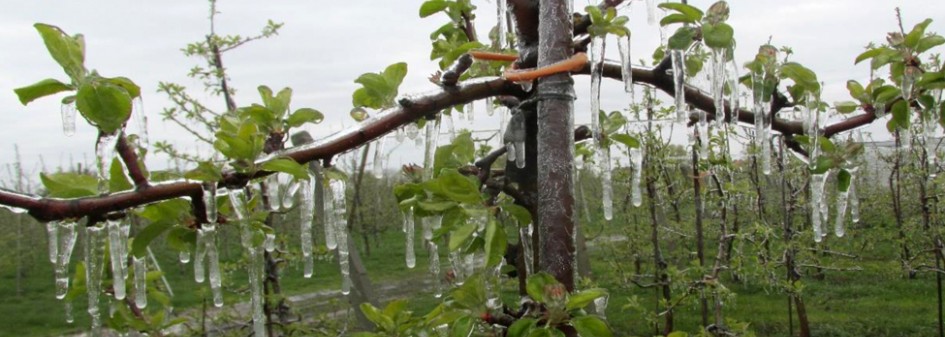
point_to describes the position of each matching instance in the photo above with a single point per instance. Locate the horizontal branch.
(410, 109)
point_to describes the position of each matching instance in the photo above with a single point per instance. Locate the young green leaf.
(583, 298)
(461, 235)
(68, 51)
(287, 165)
(846, 107)
(432, 7)
(843, 180)
(692, 13)
(106, 105)
(69, 185)
(591, 326)
(39, 89)
(139, 247)
(495, 243)
(718, 36)
(117, 181)
(304, 115)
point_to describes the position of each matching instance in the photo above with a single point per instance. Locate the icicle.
(636, 158)
(502, 23)
(200, 255)
(606, 184)
(842, 199)
(427, 228)
(288, 200)
(184, 256)
(908, 81)
(341, 231)
(623, 43)
(490, 107)
(411, 258)
(435, 268)
(272, 192)
(379, 157)
(66, 241)
(703, 126)
(117, 258)
(766, 154)
(104, 152)
(412, 131)
(141, 121)
(343, 261)
(525, 237)
(735, 87)
(68, 119)
(510, 154)
(597, 69)
(306, 218)
(256, 275)
(854, 201)
(600, 305)
(430, 143)
(210, 200)
(400, 136)
(651, 12)
(70, 318)
(520, 135)
(94, 237)
(679, 84)
(239, 205)
(813, 129)
(52, 233)
(330, 238)
(471, 112)
(817, 182)
(213, 266)
(141, 282)
(718, 83)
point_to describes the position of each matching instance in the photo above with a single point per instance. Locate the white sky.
(325, 45)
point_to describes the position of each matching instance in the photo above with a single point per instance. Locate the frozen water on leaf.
(94, 254)
(679, 84)
(636, 159)
(141, 281)
(117, 258)
(66, 241)
(68, 119)
(52, 234)
(210, 201)
(379, 156)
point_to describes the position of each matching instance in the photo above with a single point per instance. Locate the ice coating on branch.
(817, 182)
(66, 241)
(52, 233)
(679, 84)
(141, 121)
(239, 205)
(213, 269)
(636, 159)
(651, 12)
(430, 142)
(288, 200)
(717, 84)
(606, 184)
(306, 218)
(94, 237)
(68, 118)
(379, 157)
(272, 192)
(115, 250)
(210, 201)
(626, 70)
(141, 281)
(409, 225)
(502, 21)
(104, 152)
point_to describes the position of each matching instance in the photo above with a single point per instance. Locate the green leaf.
(69, 185)
(374, 315)
(106, 105)
(39, 89)
(911, 40)
(929, 42)
(824, 164)
(395, 73)
(461, 235)
(304, 115)
(432, 7)
(517, 212)
(181, 239)
(800, 75)
(675, 18)
(68, 51)
(521, 327)
(205, 171)
(843, 180)
(625, 139)
(900, 112)
(678, 334)
(591, 326)
(857, 91)
(455, 186)
(583, 298)
(287, 165)
(870, 54)
(682, 38)
(718, 36)
(535, 285)
(436, 206)
(125, 83)
(694, 14)
(139, 247)
(846, 107)
(117, 181)
(495, 243)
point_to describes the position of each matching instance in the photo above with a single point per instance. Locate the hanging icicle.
(606, 184)
(306, 218)
(703, 127)
(288, 199)
(141, 121)
(141, 282)
(471, 111)
(502, 23)
(597, 70)
(813, 129)
(68, 113)
(435, 268)
(200, 253)
(66, 241)
(735, 95)
(272, 192)
(430, 143)
(411, 259)
(213, 269)
(52, 235)
(340, 230)
(210, 200)
(842, 198)
(379, 157)
(104, 152)
(525, 237)
(600, 305)
(626, 69)
(817, 182)
(679, 84)
(256, 275)
(94, 237)
(330, 216)
(718, 84)
(651, 12)
(520, 134)
(854, 201)
(117, 258)
(239, 205)
(399, 135)
(761, 120)
(636, 159)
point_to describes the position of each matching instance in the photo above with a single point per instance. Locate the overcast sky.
(325, 45)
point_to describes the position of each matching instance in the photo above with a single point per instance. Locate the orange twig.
(575, 63)
(490, 56)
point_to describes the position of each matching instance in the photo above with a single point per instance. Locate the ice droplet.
(184, 256)
(67, 235)
(679, 84)
(141, 282)
(68, 119)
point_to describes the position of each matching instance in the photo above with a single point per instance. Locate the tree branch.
(130, 158)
